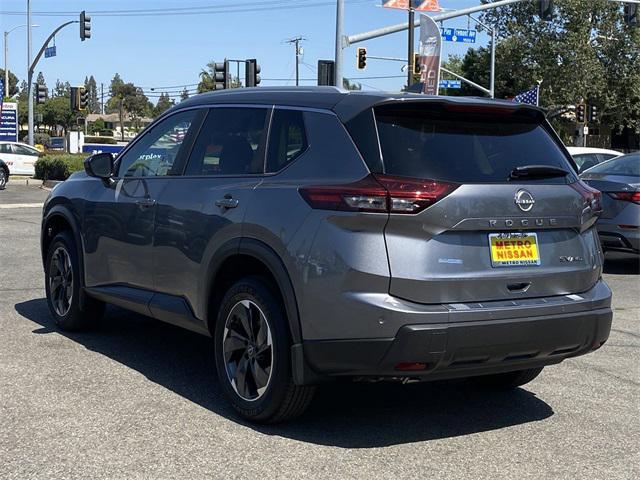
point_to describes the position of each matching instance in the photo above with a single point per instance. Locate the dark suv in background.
(315, 234)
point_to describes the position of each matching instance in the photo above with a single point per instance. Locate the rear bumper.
(614, 238)
(476, 340)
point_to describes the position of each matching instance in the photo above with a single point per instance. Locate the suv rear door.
(489, 235)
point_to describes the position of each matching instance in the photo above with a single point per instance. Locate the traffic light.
(545, 10)
(580, 111)
(326, 72)
(417, 68)
(252, 73)
(593, 114)
(41, 93)
(631, 14)
(221, 76)
(84, 99)
(85, 26)
(79, 99)
(362, 58)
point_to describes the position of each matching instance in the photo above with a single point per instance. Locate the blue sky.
(163, 51)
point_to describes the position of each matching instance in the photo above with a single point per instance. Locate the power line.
(210, 10)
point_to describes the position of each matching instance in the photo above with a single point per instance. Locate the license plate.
(514, 249)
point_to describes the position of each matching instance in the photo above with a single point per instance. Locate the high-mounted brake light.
(626, 196)
(378, 194)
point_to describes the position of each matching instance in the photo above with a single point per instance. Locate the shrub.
(101, 140)
(58, 166)
(39, 138)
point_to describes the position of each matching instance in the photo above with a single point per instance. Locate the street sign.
(9, 122)
(450, 84)
(50, 52)
(586, 130)
(459, 35)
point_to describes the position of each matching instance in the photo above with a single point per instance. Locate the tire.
(506, 381)
(260, 356)
(62, 285)
(3, 178)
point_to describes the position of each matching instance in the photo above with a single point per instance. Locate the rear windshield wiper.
(537, 171)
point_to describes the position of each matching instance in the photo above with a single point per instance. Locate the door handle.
(227, 202)
(145, 203)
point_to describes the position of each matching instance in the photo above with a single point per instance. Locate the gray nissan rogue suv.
(316, 234)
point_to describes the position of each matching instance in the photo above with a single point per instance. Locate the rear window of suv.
(463, 147)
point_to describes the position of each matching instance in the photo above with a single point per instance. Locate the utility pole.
(29, 77)
(101, 98)
(411, 42)
(296, 41)
(339, 58)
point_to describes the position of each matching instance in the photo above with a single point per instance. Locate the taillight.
(626, 196)
(379, 194)
(592, 197)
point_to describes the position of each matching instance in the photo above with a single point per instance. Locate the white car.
(587, 157)
(19, 157)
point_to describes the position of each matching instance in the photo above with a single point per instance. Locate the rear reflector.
(629, 227)
(410, 366)
(379, 194)
(626, 196)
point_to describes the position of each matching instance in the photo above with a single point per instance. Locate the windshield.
(625, 165)
(462, 147)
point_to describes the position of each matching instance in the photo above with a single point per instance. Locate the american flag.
(530, 97)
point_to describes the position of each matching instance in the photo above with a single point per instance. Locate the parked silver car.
(316, 233)
(619, 180)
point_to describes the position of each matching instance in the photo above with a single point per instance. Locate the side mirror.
(99, 165)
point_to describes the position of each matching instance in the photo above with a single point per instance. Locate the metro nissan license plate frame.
(514, 249)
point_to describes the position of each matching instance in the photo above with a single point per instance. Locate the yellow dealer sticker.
(514, 249)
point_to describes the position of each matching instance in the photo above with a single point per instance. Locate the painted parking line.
(21, 205)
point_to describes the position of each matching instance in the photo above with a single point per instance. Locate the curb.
(23, 181)
(49, 184)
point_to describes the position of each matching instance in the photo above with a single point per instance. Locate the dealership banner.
(430, 55)
(418, 5)
(9, 122)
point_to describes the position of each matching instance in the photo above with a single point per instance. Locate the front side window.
(288, 139)
(155, 154)
(22, 150)
(230, 142)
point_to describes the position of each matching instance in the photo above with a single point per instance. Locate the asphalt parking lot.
(138, 399)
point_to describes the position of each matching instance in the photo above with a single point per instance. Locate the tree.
(57, 111)
(347, 85)
(13, 83)
(92, 88)
(127, 98)
(112, 105)
(586, 53)
(61, 89)
(184, 94)
(164, 103)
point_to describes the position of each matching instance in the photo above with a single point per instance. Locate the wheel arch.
(242, 257)
(59, 218)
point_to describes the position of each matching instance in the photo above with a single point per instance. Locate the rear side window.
(463, 147)
(230, 142)
(288, 139)
(627, 165)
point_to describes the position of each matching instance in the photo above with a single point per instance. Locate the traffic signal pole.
(412, 14)
(32, 65)
(339, 57)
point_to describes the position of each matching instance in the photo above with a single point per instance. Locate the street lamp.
(6, 51)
